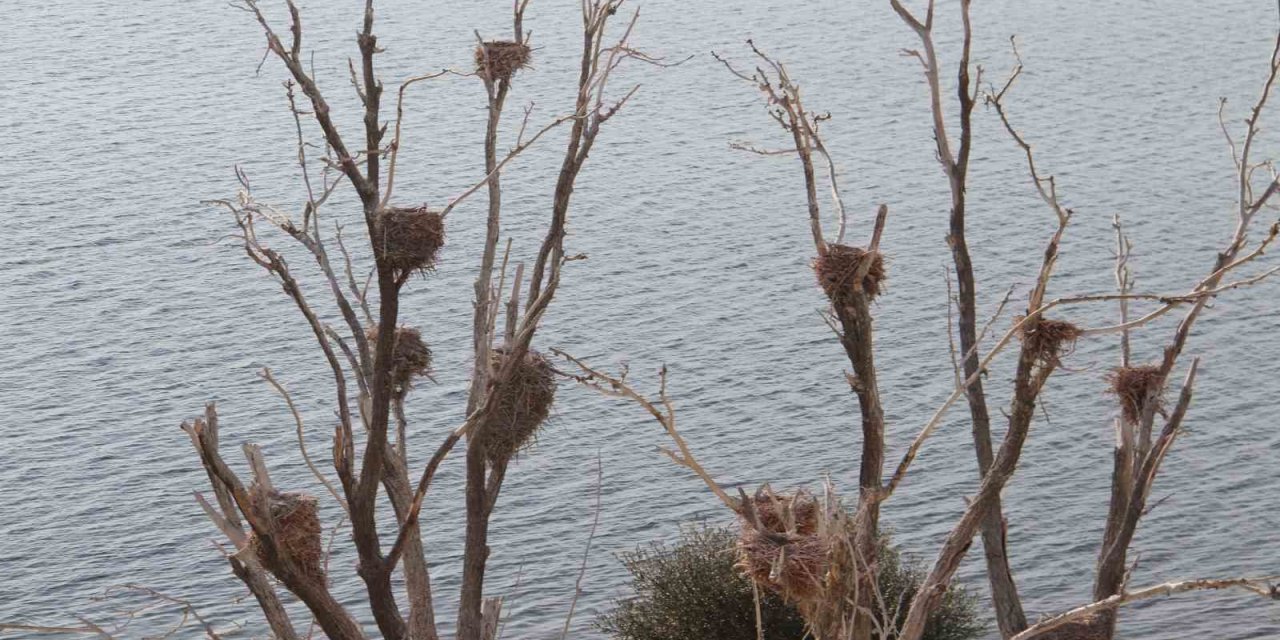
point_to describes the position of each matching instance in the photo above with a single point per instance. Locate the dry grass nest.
(297, 532)
(789, 556)
(1049, 340)
(410, 357)
(408, 238)
(1086, 628)
(500, 59)
(523, 405)
(837, 272)
(1133, 385)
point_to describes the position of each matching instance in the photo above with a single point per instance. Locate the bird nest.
(500, 59)
(523, 405)
(1048, 340)
(838, 272)
(410, 357)
(296, 524)
(787, 552)
(1086, 628)
(1133, 386)
(407, 238)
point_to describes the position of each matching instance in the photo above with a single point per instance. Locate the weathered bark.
(421, 623)
(1029, 380)
(476, 548)
(234, 500)
(484, 478)
(275, 613)
(857, 339)
(1137, 459)
(476, 553)
(1004, 593)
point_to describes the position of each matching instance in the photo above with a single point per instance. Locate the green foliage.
(692, 590)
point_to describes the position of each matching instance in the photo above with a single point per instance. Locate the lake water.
(127, 306)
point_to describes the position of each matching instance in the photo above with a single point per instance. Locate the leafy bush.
(692, 590)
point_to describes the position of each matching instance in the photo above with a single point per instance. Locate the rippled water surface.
(127, 306)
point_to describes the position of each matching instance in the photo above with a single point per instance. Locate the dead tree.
(1139, 389)
(1137, 464)
(275, 533)
(851, 277)
(808, 540)
(955, 164)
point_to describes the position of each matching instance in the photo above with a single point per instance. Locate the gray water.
(127, 306)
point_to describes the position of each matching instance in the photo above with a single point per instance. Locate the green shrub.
(692, 590)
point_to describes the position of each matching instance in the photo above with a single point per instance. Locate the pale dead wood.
(850, 307)
(331, 616)
(1124, 282)
(351, 355)
(485, 474)
(1138, 458)
(1260, 586)
(663, 410)
(35, 628)
(954, 161)
(302, 445)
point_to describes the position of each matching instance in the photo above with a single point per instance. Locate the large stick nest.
(408, 238)
(1049, 340)
(500, 59)
(523, 405)
(1133, 386)
(790, 555)
(410, 357)
(838, 272)
(297, 532)
(1085, 628)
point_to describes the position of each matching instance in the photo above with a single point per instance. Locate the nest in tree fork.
(789, 555)
(410, 357)
(523, 405)
(838, 270)
(1048, 340)
(1133, 386)
(408, 238)
(500, 59)
(296, 532)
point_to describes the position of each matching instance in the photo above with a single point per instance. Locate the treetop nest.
(410, 357)
(297, 531)
(523, 405)
(408, 238)
(500, 59)
(790, 555)
(1049, 340)
(837, 272)
(1132, 386)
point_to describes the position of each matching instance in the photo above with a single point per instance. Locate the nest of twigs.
(1086, 628)
(523, 405)
(501, 59)
(408, 238)
(787, 551)
(1049, 340)
(1133, 386)
(838, 272)
(410, 357)
(297, 532)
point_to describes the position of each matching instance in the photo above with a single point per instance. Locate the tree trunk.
(476, 551)
(1004, 592)
(856, 323)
